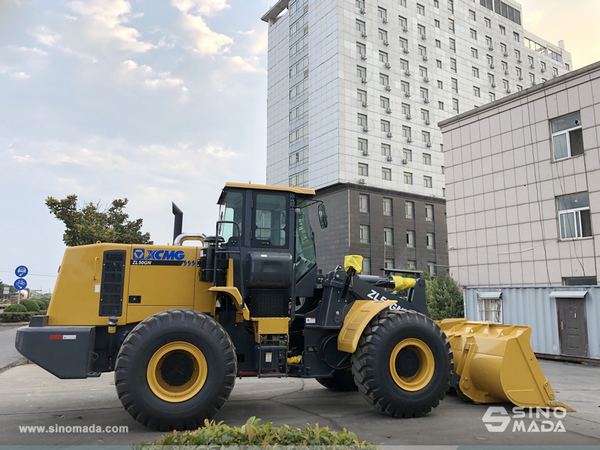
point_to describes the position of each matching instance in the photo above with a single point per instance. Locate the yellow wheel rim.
(424, 373)
(181, 364)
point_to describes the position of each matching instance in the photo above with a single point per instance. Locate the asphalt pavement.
(29, 396)
(9, 356)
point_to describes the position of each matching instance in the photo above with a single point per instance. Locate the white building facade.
(355, 92)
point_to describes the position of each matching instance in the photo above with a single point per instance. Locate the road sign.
(21, 271)
(6, 290)
(20, 284)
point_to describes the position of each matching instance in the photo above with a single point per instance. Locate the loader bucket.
(495, 364)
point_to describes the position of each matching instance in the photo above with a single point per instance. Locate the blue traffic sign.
(20, 284)
(21, 271)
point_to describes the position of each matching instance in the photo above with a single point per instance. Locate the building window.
(519, 73)
(429, 213)
(505, 84)
(502, 29)
(300, 179)
(426, 137)
(440, 84)
(425, 116)
(488, 41)
(406, 109)
(542, 66)
(410, 238)
(554, 71)
(580, 281)
(386, 174)
(387, 207)
(530, 59)
(430, 241)
(386, 150)
(503, 48)
(422, 50)
(438, 63)
(361, 72)
(492, 97)
(452, 45)
(403, 44)
(384, 80)
(365, 234)
(299, 134)
(389, 263)
(388, 236)
(298, 157)
(402, 21)
(490, 310)
(427, 181)
(519, 88)
(472, 15)
(436, 3)
(431, 268)
(567, 137)
(438, 43)
(402, 3)
(420, 9)
(474, 53)
(299, 67)
(441, 105)
(366, 266)
(360, 26)
(362, 120)
(363, 203)
(491, 79)
(505, 67)
(473, 34)
(408, 178)
(410, 209)
(411, 265)
(451, 25)
(427, 159)
(363, 146)
(516, 36)
(382, 35)
(574, 216)
(363, 170)
(455, 105)
(406, 132)
(424, 93)
(488, 22)
(454, 84)
(385, 126)
(361, 95)
(451, 6)
(518, 55)
(453, 65)
(407, 155)
(475, 71)
(383, 57)
(422, 71)
(436, 23)
(361, 49)
(405, 86)
(490, 60)
(299, 112)
(360, 4)
(532, 78)
(382, 13)
(404, 64)
(421, 30)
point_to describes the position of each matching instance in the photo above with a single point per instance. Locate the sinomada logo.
(524, 420)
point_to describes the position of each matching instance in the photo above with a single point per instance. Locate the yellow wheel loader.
(178, 324)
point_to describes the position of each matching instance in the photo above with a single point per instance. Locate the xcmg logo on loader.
(145, 257)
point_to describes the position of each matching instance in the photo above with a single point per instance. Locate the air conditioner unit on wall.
(428, 145)
(404, 162)
(407, 73)
(405, 29)
(364, 34)
(362, 181)
(365, 104)
(390, 134)
(386, 43)
(366, 153)
(363, 11)
(389, 110)
(363, 56)
(388, 87)
(388, 65)
(428, 122)
(389, 158)
(366, 129)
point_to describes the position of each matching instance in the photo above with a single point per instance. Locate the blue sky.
(150, 101)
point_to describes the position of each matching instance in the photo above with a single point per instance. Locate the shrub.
(11, 317)
(41, 304)
(15, 307)
(31, 305)
(216, 434)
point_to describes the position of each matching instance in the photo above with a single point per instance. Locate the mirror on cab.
(322, 216)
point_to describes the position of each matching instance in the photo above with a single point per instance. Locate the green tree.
(2, 285)
(444, 298)
(89, 224)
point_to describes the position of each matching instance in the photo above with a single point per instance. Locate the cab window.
(270, 220)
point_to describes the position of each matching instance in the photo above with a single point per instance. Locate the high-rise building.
(355, 92)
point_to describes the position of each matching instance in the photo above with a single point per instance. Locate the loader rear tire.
(403, 363)
(341, 381)
(175, 369)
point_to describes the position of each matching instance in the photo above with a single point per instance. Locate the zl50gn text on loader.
(177, 324)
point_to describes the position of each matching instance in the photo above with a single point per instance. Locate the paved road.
(31, 396)
(8, 354)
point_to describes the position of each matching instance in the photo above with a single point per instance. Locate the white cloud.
(201, 7)
(148, 77)
(46, 36)
(20, 75)
(202, 39)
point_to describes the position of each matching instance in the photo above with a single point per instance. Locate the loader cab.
(266, 232)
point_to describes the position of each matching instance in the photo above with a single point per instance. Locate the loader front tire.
(175, 369)
(341, 381)
(403, 363)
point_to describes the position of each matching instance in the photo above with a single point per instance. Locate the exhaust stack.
(178, 225)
